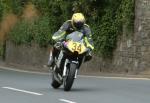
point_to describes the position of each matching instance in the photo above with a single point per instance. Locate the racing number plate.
(76, 47)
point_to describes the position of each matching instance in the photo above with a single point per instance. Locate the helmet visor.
(78, 25)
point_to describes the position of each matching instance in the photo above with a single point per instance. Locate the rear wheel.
(69, 79)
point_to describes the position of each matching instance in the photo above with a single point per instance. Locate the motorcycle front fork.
(65, 69)
(76, 73)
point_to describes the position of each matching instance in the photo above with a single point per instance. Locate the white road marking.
(24, 91)
(67, 101)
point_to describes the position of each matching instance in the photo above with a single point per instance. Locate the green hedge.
(37, 31)
(14, 6)
(106, 18)
(1, 10)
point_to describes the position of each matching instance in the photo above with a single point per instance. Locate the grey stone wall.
(34, 58)
(26, 57)
(142, 33)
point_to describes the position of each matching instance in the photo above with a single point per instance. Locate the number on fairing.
(76, 47)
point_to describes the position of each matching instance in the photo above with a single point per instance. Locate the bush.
(1, 10)
(42, 32)
(42, 6)
(115, 15)
(37, 31)
(106, 18)
(21, 33)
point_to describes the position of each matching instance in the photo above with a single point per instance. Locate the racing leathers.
(61, 34)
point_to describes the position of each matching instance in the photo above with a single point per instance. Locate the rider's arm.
(60, 34)
(88, 38)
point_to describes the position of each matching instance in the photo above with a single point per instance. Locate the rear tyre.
(69, 79)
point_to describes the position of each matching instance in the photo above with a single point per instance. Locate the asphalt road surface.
(19, 87)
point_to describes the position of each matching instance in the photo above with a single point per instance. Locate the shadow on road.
(85, 90)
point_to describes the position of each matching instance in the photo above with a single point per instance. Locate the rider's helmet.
(78, 20)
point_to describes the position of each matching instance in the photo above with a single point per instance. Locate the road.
(19, 87)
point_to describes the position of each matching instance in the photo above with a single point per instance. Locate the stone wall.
(142, 33)
(34, 58)
(26, 57)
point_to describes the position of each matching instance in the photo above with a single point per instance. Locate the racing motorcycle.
(67, 62)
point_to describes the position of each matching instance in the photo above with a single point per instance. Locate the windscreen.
(75, 36)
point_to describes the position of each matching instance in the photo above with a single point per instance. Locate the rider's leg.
(52, 55)
(88, 56)
(51, 58)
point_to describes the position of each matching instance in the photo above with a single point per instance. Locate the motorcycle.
(67, 62)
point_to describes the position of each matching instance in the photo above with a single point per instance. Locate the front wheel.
(69, 79)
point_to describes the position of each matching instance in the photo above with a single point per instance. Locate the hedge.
(105, 17)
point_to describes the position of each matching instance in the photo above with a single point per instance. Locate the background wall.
(27, 57)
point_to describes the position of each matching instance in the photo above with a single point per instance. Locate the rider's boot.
(50, 60)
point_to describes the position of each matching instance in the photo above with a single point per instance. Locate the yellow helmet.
(78, 20)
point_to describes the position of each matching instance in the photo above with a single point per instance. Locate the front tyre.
(69, 79)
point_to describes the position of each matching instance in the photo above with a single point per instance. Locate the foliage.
(1, 10)
(107, 19)
(21, 33)
(42, 32)
(57, 10)
(14, 6)
(128, 14)
(27, 32)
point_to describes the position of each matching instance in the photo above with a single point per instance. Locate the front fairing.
(75, 43)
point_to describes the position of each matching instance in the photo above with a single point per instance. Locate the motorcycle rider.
(77, 23)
